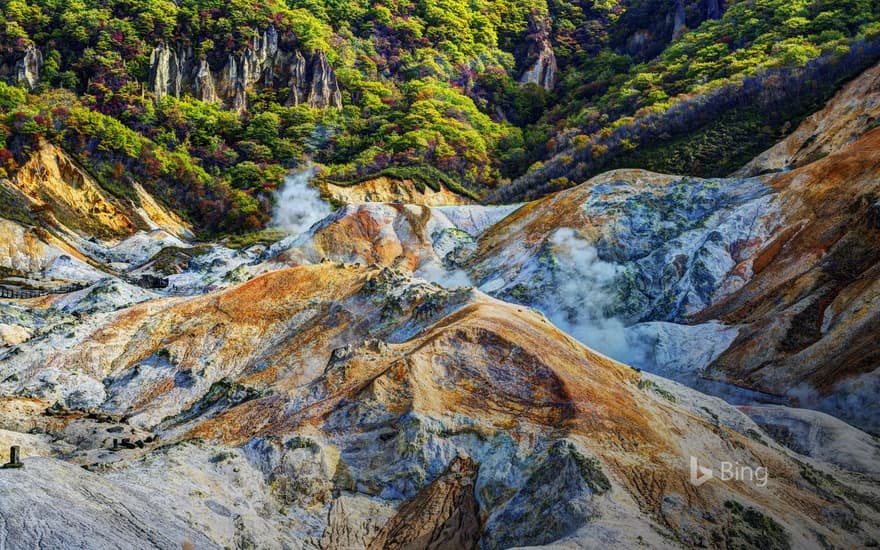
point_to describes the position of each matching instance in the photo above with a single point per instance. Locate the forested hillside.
(210, 103)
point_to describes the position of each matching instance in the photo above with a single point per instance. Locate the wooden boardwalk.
(20, 293)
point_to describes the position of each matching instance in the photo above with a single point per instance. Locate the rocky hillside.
(762, 283)
(208, 105)
(52, 190)
(62, 228)
(174, 71)
(414, 376)
(333, 406)
(852, 112)
(643, 267)
(414, 355)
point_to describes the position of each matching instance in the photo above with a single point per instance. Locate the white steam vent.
(299, 204)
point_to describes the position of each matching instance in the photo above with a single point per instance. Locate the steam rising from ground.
(299, 204)
(853, 399)
(447, 278)
(585, 295)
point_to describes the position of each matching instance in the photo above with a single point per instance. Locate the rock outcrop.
(298, 80)
(203, 84)
(28, 250)
(679, 20)
(323, 86)
(27, 69)
(443, 515)
(264, 63)
(57, 192)
(383, 189)
(166, 71)
(540, 60)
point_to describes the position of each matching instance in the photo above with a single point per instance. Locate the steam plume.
(299, 204)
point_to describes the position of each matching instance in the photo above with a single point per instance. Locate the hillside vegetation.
(691, 86)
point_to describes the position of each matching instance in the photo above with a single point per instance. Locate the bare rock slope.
(462, 419)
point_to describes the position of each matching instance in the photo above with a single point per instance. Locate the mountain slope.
(61, 226)
(403, 375)
(811, 308)
(793, 253)
(745, 281)
(850, 113)
(51, 189)
(316, 407)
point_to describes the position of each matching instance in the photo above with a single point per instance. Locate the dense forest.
(209, 103)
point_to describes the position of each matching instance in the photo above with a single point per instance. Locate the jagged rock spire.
(263, 63)
(28, 68)
(542, 68)
(324, 86)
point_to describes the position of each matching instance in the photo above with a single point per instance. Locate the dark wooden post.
(14, 460)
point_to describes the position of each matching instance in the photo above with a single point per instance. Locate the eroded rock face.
(299, 78)
(787, 261)
(384, 189)
(354, 521)
(26, 250)
(443, 515)
(324, 88)
(818, 435)
(541, 59)
(28, 68)
(167, 68)
(263, 63)
(62, 195)
(203, 86)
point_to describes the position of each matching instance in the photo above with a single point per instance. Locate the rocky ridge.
(383, 189)
(264, 62)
